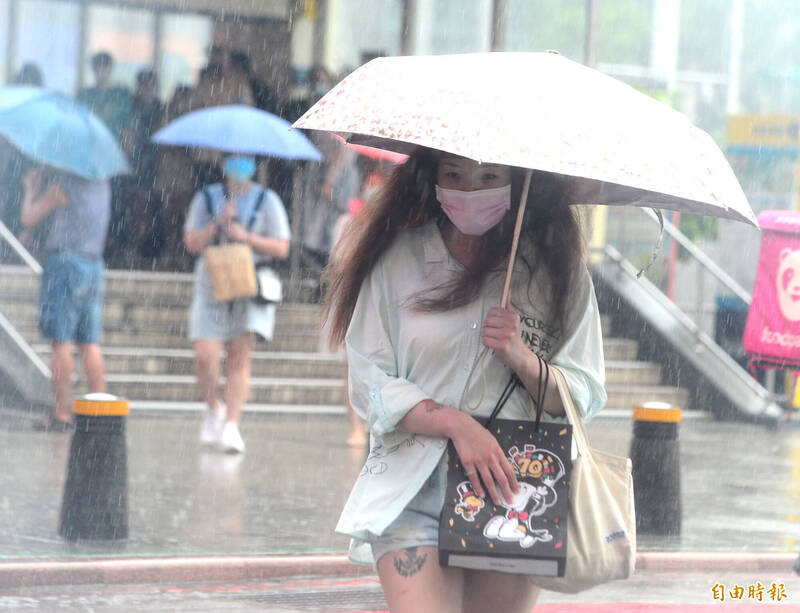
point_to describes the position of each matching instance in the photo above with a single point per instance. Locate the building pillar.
(409, 32)
(499, 25)
(590, 35)
(664, 48)
(734, 105)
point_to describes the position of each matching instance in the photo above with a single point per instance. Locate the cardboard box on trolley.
(772, 332)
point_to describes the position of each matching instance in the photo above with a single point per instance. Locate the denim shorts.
(418, 524)
(71, 298)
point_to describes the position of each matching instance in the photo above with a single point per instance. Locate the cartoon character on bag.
(543, 469)
(469, 504)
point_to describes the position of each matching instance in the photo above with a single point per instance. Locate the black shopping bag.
(528, 535)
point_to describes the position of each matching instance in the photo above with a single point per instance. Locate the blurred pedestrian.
(330, 184)
(29, 74)
(176, 186)
(143, 214)
(358, 436)
(235, 210)
(415, 296)
(71, 295)
(264, 97)
(112, 103)
(221, 82)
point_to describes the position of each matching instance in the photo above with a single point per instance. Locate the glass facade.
(532, 25)
(127, 34)
(362, 28)
(453, 27)
(48, 35)
(184, 47)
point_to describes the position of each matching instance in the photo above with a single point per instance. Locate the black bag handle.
(513, 382)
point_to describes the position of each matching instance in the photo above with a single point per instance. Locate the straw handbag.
(232, 272)
(232, 268)
(601, 523)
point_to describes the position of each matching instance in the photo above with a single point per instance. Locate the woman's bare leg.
(486, 591)
(237, 371)
(207, 357)
(413, 582)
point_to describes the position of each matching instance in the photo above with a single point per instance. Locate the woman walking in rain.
(242, 211)
(414, 294)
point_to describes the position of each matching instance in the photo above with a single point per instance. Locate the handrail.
(19, 248)
(701, 257)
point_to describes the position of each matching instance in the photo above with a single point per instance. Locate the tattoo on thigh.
(409, 563)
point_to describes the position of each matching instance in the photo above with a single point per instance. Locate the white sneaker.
(213, 423)
(231, 440)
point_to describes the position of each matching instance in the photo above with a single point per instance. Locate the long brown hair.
(550, 234)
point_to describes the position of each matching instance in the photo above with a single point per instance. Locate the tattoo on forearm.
(434, 406)
(408, 563)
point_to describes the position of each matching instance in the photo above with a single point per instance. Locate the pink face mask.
(474, 213)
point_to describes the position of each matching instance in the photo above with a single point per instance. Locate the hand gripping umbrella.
(238, 129)
(60, 132)
(538, 111)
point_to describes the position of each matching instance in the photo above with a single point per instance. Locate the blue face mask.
(240, 167)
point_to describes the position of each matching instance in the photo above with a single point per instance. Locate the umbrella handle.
(515, 242)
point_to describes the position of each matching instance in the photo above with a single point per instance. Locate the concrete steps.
(150, 361)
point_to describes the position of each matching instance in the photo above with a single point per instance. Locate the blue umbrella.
(238, 129)
(60, 132)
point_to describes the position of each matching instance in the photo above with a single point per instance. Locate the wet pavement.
(740, 487)
(646, 591)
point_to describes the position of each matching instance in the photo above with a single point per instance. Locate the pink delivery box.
(772, 333)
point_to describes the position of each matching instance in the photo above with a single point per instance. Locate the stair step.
(154, 361)
(326, 391)
(629, 372)
(302, 341)
(629, 396)
(263, 390)
(119, 314)
(620, 349)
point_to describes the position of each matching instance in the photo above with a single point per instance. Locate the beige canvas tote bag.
(601, 522)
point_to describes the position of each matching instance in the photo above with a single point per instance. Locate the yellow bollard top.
(100, 405)
(657, 411)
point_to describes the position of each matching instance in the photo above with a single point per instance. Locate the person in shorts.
(415, 298)
(77, 213)
(235, 210)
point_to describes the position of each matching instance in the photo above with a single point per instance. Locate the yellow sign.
(768, 130)
(311, 9)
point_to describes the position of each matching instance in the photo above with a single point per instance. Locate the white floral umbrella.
(538, 111)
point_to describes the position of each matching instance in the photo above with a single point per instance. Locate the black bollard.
(656, 468)
(95, 503)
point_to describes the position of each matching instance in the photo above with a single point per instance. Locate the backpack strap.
(256, 208)
(210, 210)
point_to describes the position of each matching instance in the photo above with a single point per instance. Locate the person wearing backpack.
(235, 210)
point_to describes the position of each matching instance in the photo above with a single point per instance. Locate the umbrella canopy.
(60, 132)
(238, 129)
(539, 111)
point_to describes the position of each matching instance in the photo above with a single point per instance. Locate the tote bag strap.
(574, 417)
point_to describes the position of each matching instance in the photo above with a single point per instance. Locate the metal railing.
(702, 258)
(18, 248)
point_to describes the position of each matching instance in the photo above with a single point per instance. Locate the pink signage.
(772, 333)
